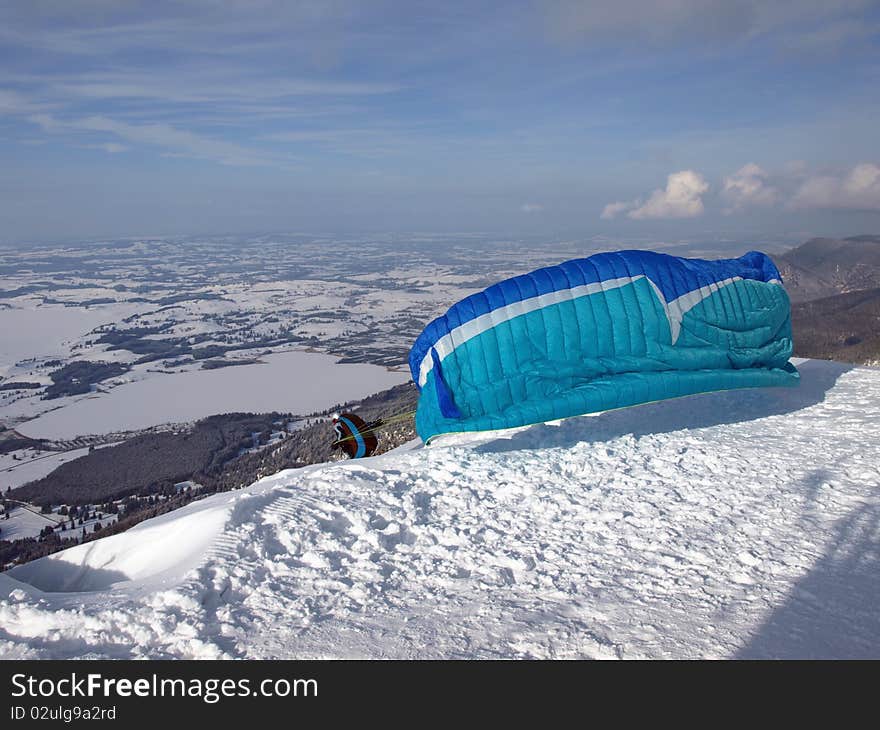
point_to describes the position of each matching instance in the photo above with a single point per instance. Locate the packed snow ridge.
(738, 524)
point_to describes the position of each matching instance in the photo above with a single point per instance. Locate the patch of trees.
(210, 351)
(30, 548)
(192, 297)
(134, 339)
(20, 386)
(78, 377)
(83, 303)
(222, 363)
(22, 290)
(214, 351)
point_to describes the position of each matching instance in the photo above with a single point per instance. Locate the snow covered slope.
(738, 524)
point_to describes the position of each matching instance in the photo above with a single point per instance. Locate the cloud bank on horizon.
(855, 189)
(616, 118)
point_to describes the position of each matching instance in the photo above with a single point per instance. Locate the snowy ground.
(32, 464)
(26, 522)
(742, 524)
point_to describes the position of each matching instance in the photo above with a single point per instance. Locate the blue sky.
(627, 118)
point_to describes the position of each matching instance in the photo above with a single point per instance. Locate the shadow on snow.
(832, 612)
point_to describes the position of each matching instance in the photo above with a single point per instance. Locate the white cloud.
(532, 208)
(612, 210)
(748, 187)
(681, 198)
(857, 189)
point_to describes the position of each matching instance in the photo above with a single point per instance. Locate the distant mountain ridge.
(823, 267)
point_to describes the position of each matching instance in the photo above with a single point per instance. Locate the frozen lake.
(297, 382)
(42, 331)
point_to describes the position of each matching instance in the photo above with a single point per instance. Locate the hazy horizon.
(654, 119)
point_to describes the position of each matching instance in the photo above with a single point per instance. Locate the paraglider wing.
(592, 334)
(356, 437)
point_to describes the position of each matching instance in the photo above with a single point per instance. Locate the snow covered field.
(33, 465)
(739, 524)
(28, 523)
(24, 523)
(296, 381)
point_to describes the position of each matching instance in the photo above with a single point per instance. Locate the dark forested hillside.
(311, 445)
(208, 453)
(843, 327)
(148, 463)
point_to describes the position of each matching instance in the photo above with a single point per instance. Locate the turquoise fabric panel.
(612, 348)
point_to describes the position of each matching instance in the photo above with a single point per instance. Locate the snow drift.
(737, 524)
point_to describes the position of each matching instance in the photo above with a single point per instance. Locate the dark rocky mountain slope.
(822, 267)
(844, 327)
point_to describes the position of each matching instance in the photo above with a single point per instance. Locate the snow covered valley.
(738, 524)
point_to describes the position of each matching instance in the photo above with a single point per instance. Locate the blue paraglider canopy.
(607, 331)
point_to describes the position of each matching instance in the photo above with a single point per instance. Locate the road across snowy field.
(739, 524)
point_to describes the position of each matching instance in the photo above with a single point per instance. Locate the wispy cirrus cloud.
(463, 112)
(162, 136)
(15, 103)
(200, 88)
(819, 23)
(215, 72)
